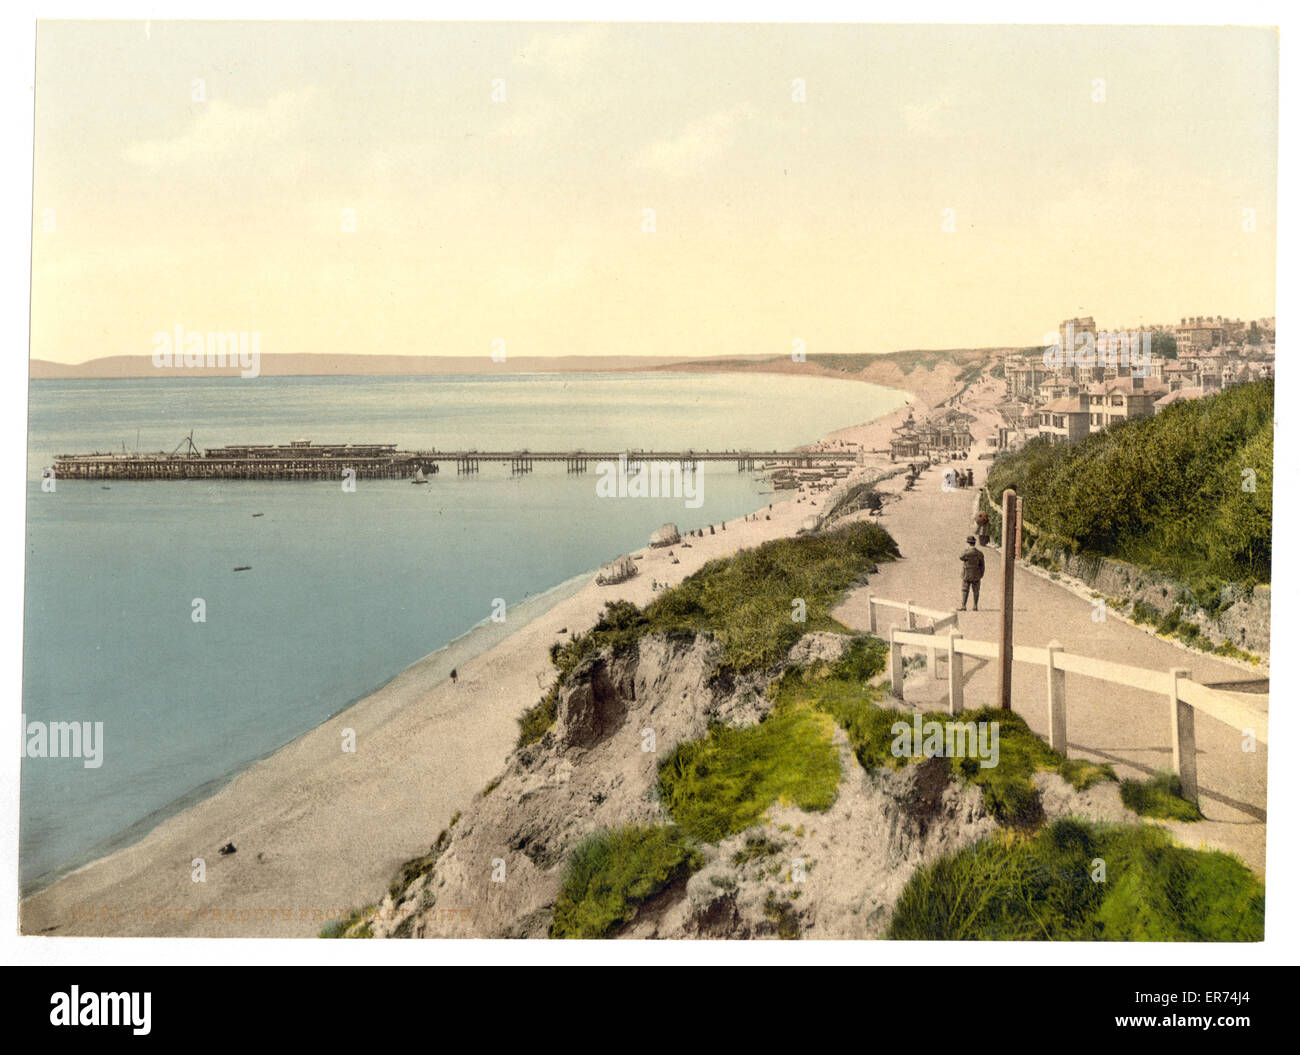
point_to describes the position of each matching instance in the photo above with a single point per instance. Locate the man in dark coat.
(972, 571)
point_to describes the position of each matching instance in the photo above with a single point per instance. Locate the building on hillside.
(1179, 396)
(1174, 374)
(1200, 333)
(1059, 386)
(1024, 374)
(1064, 420)
(1121, 400)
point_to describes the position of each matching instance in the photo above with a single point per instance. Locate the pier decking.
(304, 460)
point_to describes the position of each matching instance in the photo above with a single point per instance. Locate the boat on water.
(419, 477)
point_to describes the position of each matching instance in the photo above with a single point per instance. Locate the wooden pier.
(304, 460)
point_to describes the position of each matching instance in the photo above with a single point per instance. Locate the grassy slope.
(1081, 882)
(1169, 492)
(745, 601)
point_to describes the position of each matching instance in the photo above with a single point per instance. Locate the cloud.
(698, 145)
(223, 129)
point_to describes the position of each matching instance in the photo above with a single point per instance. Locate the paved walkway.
(1105, 722)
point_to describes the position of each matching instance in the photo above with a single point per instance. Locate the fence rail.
(1185, 696)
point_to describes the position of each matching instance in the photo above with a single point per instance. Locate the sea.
(343, 589)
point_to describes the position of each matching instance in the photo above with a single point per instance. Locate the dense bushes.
(1082, 882)
(1171, 492)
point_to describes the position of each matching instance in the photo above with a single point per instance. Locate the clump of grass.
(492, 785)
(1159, 797)
(410, 872)
(1081, 882)
(347, 928)
(1231, 651)
(726, 782)
(756, 848)
(1171, 621)
(780, 912)
(1145, 613)
(742, 600)
(843, 691)
(1082, 774)
(613, 871)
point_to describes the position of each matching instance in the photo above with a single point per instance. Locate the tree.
(1164, 345)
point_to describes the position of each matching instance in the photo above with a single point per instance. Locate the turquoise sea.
(344, 589)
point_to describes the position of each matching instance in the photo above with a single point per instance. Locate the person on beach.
(972, 571)
(453, 675)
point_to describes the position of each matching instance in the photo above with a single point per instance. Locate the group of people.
(959, 478)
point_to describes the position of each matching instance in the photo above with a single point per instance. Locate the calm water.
(345, 589)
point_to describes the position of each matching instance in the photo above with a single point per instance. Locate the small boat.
(419, 477)
(244, 567)
(259, 514)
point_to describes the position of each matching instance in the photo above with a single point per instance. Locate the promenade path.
(1129, 728)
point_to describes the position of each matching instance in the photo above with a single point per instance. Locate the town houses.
(1088, 379)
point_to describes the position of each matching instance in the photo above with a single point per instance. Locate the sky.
(698, 190)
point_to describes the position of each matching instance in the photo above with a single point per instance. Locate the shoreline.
(290, 808)
(464, 647)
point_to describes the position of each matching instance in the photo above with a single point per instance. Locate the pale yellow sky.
(523, 218)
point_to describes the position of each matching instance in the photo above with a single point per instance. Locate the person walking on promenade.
(982, 526)
(972, 571)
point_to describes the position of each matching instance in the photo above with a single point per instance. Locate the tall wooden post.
(955, 702)
(1010, 528)
(1056, 736)
(1183, 722)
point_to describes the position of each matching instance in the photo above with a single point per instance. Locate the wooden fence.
(1185, 696)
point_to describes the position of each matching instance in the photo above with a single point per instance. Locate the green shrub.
(726, 782)
(744, 601)
(347, 928)
(1049, 888)
(613, 871)
(1145, 613)
(1159, 797)
(843, 692)
(1170, 492)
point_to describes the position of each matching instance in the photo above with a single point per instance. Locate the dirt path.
(1109, 723)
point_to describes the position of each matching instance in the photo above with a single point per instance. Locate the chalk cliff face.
(497, 871)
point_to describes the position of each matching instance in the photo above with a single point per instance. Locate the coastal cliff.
(593, 773)
(699, 772)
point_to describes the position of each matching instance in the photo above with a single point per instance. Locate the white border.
(17, 63)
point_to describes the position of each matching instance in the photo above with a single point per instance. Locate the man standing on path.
(972, 571)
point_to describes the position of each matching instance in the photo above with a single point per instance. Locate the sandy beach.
(318, 830)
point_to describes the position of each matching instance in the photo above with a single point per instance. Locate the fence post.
(955, 702)
(1056, 702)
(911, 616)
(1183, 720)
(895, 664)
(871, 613)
